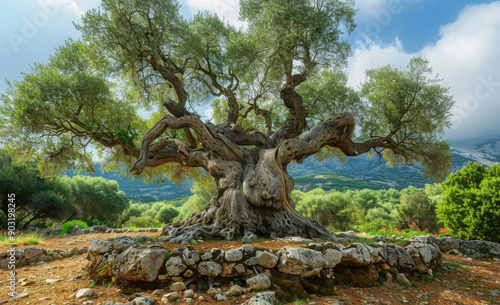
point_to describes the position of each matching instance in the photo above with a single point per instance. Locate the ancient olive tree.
(260, 80)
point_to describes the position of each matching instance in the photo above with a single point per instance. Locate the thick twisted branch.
(211, 139)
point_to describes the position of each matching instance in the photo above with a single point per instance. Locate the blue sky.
(460, 38)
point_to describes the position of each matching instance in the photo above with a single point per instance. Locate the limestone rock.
(210, 268)
(365, 276)
(401, 279)
(84, 293)
(159, 292)
(235, 290)
(76, 230)
(189, 273)
(190, 256)
(263, 298)
(100, 246)
(301, 261)
(175, 266)
(170, 297)
(189, 293)
(356, 255)
(98, 229)
(123, 244)
(405, 261)
(220, 297)
(178, 286)
(84, 250)
(139, 264)
(233, 255)
(425, 256)
(266, 259)
(332, 257)
(142, 300)
(258, 282)
(31, 252)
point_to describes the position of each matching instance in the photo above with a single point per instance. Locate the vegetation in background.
(373, 211)
(35, 197)
(97, 198)
(203, 191)
(40, 200)
(142, 222)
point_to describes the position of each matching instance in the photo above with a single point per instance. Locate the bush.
(68, 225)
(142, 222)
(374, 226)
(166, 214)
(471, 203)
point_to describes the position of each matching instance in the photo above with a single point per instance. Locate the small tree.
(471, 202)
(416, 207)
(166, 214)
(97, 198)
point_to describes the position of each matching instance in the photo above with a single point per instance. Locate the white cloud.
(368, 55)
(226, 9)
(209, 113)
(53, 6)
(465, 57)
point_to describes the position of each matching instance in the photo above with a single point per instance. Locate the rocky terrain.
(219, 272)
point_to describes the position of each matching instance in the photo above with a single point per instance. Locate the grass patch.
(107, 285)
(365, 240)
(454, 265)
(298, 301)
(22, 239)
(425, 278)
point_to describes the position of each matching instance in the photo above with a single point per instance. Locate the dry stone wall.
(310, 269)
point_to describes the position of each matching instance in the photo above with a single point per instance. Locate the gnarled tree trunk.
(253, 199)
(254, 188)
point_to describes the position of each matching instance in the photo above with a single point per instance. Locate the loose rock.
(84, 293)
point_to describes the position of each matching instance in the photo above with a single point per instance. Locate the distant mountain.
(364, 169)
(484, 150)
(358, 173)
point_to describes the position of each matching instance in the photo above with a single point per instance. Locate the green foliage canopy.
(144, 54)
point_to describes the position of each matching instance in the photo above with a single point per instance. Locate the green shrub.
(471, 203)
(68, 225)
(143, 222)
(166, 214)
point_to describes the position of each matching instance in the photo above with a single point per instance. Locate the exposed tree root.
(249, 223)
